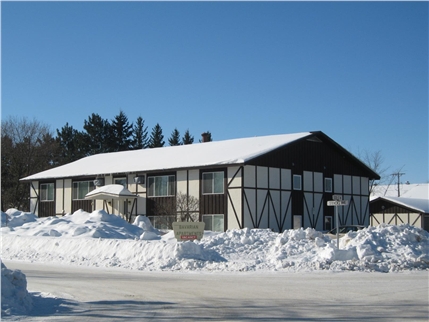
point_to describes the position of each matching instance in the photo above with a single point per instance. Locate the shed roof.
(420, 205)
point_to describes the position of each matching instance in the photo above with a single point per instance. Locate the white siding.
(347, 184)
(59, 196)
(33, 196)
(251, 200)
(236, 182)
(262, 177)
(235, 195)
(356, 186)
(68, 190)
(261, 211)
(182, 182)
(286, 179)
(318, 182)
(249, 176)
(285, 211)
(194, 183)
(275, 211)
(364, 186)
(338, 183)
(308, 181)
(274, 178)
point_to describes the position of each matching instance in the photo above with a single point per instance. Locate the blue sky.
(357, 71)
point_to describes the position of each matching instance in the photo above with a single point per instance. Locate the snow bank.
(14, 296)
(102, 240)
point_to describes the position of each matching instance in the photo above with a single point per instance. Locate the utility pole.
(398, 174)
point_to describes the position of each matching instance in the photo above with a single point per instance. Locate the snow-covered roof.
(110, 191)
(227, 152)
(421, 205)
(416, 191)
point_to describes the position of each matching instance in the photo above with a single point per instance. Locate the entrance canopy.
(109, 192)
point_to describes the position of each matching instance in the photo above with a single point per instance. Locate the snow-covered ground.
(99, 239)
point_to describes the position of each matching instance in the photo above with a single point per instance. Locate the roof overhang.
(109, 192)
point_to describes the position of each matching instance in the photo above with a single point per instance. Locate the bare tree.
(187, 207)
(182, 208)
(27, 147)
(375, 161)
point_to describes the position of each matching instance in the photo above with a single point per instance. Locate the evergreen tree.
(122, 131)
(71, 144)
(187, 138)
(174, 138)
(98, 134)
(156, 138)
(140, 139)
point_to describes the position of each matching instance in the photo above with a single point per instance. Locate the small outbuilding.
(277, 182)
(400, 204)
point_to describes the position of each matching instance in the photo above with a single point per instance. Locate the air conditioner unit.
(139, 179)
(99, 182)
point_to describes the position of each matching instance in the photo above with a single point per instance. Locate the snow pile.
(98, 224)
(14, 296)
(102, 240)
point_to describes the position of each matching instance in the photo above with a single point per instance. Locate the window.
(121, 181)
(81, 188)
(213, 183)
(296, 182)
(47, 192)
(213, 222)
(161, 186)
(328, 184)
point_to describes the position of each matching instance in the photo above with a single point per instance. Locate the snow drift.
(99, 239)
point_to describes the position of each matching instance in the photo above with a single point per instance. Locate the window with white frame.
(328, 184)
(161, 186)
(296, 182)
(47, 192)
(81, 188)
(213, 182)
(213, 222)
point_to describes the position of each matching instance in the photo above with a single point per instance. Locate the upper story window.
(121, 181)
(161, 186)
(328, 184)
(296, 182)
(81, 188)
(46, 192)
(213, 182)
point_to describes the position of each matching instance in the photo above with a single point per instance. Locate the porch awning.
(109, 192)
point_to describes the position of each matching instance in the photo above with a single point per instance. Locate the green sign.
(188, 230)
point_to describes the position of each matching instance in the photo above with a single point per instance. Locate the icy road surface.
(65, 293)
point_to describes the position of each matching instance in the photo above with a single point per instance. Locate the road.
(97, 294)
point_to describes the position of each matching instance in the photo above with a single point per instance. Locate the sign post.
(337, 202)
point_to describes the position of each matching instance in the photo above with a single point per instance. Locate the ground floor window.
(81, 188)
(47, 192)
(214, 222)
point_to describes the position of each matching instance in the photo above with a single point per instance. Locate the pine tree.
(156, 138)
(174, 138)
(71, 145)
(122, 131)
(140, 135)
(98, 134)
(187, 138)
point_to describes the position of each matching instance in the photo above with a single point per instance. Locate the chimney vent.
(205, 137)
